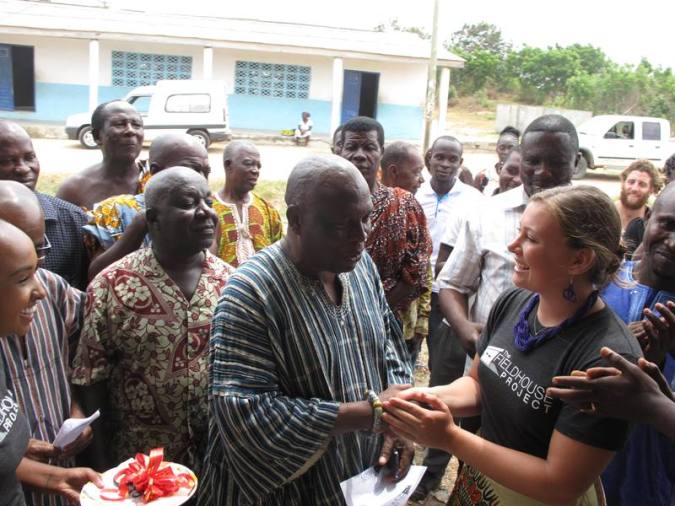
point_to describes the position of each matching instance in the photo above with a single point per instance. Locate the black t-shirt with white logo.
(13, 443)
(516, 412)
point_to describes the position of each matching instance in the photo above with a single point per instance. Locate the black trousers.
(446, 364)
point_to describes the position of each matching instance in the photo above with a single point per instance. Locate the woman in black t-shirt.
(21, 292)
(532, 449)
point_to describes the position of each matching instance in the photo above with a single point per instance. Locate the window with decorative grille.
(272, 80)
(143, 69)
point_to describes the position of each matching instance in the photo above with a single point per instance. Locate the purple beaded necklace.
(525, 341)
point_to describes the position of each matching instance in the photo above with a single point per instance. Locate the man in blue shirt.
(66, 253)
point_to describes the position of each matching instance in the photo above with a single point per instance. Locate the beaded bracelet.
(376, 404)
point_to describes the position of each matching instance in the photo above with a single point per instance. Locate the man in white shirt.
(480, 264)
(442, 198)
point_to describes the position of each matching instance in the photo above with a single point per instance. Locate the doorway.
(6, 81)
(17, 78)
(359, 94)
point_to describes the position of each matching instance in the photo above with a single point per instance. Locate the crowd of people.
(276, 364)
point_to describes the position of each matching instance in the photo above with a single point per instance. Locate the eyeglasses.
(41, 251)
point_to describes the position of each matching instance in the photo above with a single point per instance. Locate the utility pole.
(431, 83)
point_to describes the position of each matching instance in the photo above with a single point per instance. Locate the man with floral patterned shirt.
(142, 356)
(399, 242)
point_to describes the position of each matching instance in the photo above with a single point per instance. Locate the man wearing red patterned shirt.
(142, 356)
(399, 241)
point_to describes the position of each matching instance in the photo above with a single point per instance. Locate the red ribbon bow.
(147, 476)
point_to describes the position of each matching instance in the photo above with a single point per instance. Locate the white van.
(614, 142)
(198, 108)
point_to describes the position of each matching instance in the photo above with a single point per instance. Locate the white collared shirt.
(439, 209)
(480, 263)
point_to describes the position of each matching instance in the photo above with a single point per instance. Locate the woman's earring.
(568, 293)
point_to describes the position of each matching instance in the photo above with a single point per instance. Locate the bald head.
(666, 197)
(168, 181)
(11, 129)
(329, 207)
(178, 150)
(9, 236)
(318, 174)
(20, 207)
(16, 249)
(181, 221)
(18, 161)
(19, 287)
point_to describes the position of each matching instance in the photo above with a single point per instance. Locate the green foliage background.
(576, 76)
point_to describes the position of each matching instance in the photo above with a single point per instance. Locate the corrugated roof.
(40, 17)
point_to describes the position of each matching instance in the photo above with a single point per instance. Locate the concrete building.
(57, 59)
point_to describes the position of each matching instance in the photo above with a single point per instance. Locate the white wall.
(322, 68)
(57, 60)
(64, 60)
(400, 83)
(520, 116)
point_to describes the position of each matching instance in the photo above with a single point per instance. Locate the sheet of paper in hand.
(72, 428)
(370, 488)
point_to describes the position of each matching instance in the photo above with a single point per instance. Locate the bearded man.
(638, 182)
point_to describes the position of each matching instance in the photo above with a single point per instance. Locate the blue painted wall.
(266, 113)
(401, 121)
(55, 101)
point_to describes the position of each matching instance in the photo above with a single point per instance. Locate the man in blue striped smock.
(301, 333)
(36, 364)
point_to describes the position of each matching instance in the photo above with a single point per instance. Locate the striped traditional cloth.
(40, 380)
(282, 358)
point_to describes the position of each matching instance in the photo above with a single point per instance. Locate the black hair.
(396, 153)
(98, 116)
(338, 132)
(669, 166)
(509, 130)
(363, 124)
(448, 138)
(555, 123)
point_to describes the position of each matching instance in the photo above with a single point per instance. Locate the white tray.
(89, 496)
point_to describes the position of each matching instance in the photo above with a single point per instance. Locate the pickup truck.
(614, 142)
(198, 108)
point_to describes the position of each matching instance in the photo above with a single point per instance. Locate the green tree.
(581, 91)
(480, 70)
(662, 100)
(591, 59)
(395, 25)
(577, 76)
(545, 72)
(479, 37)
(484, 51)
